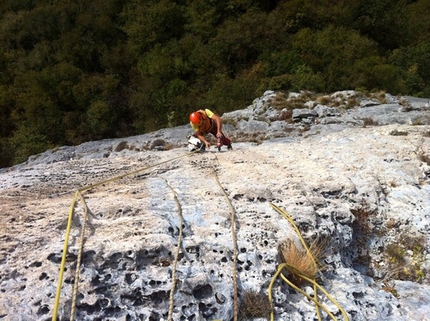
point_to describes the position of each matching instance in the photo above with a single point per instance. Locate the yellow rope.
(63, 260)
(317, 308)
(116, 178)
(289, 218)
(314, 299)
(233, 232)
(327, 295)
(278, 273)
(308, 252)
(177, 253)
(298, 273)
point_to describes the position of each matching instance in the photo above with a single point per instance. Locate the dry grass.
(362, 215)
(390, 288)
(380, 95)
(424, 158)
(324, 100)
(352, 102)
(406, 258)
(367, 121)
(121, 146)
(300, 261)
(254, 305)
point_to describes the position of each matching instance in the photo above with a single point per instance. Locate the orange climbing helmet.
(196, 118)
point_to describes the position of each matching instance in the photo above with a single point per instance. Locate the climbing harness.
(292, 269)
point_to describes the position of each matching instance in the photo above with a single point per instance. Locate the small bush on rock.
(362, 231)
(424, 158)
(369, 122)
(254, 305)
(301, 261)
(406, 258)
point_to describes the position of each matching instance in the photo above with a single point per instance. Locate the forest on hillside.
(78, 70)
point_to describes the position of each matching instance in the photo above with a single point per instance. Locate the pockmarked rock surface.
(352, 171)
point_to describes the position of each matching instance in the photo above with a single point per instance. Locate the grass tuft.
(367, 121)
(300, 261)
(424, 158)
(254, 305)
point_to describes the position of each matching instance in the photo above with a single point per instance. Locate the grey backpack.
(195, 144)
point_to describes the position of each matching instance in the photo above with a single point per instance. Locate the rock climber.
(204, 122)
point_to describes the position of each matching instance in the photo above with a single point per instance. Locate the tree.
(151, 23)
(332, 52)
(384, 21)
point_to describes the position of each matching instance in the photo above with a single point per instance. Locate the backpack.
(195, 144)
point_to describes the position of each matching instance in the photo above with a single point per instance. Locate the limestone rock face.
(356, 177)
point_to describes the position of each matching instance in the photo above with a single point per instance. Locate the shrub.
(424, 157)
(362, 231)
(324, 100)
(121, 146)
(254, 305)
(300, 260)
(380, 95)
(25, 143)
(406, 258)
(398, 133)
(352, 102)
(369, 122)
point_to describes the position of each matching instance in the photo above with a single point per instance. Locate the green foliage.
(151, 23)
(6, 106)
(406, 258)
(383, 21)
(418, 22)
(238, 41)
(101, 118)
(76, 71)
(413, 66)
(333, 52)
(26, 141)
